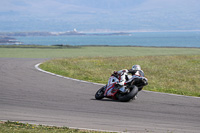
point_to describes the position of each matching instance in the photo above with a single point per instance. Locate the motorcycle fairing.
(110, 89)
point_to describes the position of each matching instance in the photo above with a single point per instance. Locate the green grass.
(16, 127)
(171, 70)
(93, 52)
(170, 74)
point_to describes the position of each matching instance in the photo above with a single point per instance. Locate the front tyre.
(127, 97)
(100, 93)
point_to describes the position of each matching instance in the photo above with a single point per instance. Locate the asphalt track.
(30, 96)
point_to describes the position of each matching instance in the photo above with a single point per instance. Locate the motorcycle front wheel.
(100, 93)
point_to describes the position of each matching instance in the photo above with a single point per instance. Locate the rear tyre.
(100, 93)
(127, 97)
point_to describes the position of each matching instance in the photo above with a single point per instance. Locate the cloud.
(115, 14)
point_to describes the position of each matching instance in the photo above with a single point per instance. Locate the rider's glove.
(145, 81)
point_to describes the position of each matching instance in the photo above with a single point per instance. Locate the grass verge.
(16, 127)
(170, 74)
(88, 51)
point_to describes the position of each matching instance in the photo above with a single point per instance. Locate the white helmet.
(136, 67)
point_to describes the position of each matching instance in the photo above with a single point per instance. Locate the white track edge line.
(37, 67)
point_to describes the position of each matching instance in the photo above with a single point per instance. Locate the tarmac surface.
(30, 96)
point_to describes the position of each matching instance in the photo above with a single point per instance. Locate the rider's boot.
(135, 97)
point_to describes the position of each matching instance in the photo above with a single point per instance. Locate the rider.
(122, 76)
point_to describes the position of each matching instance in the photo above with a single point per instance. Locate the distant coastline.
(74, 38)
(67, 33)
(4, 40)
(8, 37)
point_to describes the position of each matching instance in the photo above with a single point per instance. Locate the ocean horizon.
(146, 39)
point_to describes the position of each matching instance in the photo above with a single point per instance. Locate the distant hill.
(8, 40)
(38, 33)
(8, 35)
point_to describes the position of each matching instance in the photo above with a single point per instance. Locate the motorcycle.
(133, 84)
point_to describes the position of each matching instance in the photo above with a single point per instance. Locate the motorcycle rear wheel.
(127, 97)
(100, 94)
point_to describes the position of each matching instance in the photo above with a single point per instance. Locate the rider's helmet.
(136, 67)
(138, 70)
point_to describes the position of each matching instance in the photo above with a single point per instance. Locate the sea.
(146, 39)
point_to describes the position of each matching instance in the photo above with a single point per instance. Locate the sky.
(99, 15)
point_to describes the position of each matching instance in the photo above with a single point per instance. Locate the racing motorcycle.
(133, 84)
